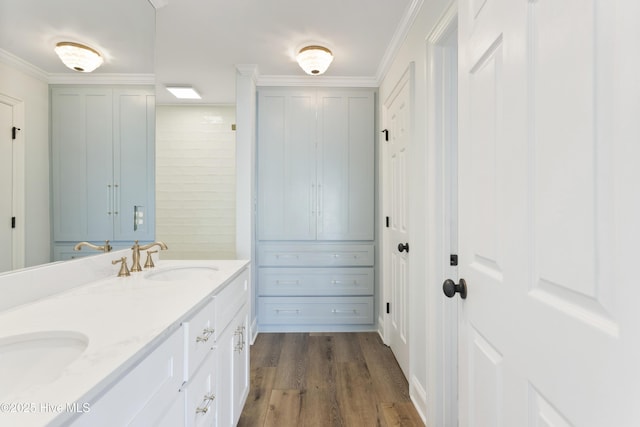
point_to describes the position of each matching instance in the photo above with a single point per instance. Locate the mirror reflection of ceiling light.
(79, 57)
(183, 92)
(314, 60)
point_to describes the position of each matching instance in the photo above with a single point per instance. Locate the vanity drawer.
(315, 281)
(316, 310)
(230, 300)
(315, 255)
(200, 395)
(199, 336)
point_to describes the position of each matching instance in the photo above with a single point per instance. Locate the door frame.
(442, 330)
(18, 202)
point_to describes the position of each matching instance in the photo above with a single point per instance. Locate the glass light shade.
(314, 60)
(78, 57)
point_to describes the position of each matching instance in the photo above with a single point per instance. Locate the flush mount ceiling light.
(314, 60)
(183, 92)
(79, 57)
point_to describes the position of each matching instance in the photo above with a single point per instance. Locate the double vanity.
(167, 346)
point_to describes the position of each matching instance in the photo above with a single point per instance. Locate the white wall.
(421, 211)
(195, 181)
(34, 92)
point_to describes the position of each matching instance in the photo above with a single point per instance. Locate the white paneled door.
(6, 187)
(396, 244)
(549, 208)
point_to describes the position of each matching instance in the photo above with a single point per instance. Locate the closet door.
(345, 165)
(134, 164)
(81, 126)
(287, 188)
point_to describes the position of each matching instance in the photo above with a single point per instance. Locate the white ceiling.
(200, 42)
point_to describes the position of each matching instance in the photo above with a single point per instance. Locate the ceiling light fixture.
(314, 60)
(183, 92)
(79, 57)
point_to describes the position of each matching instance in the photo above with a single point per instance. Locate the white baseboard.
(419, 398)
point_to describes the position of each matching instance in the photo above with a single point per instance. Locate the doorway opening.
(442, 339)
(12, 255)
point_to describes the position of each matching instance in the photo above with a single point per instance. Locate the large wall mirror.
(29, 31)
(195, 144)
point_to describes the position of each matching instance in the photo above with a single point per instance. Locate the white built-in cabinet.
(315, 164)
(197, 376)
(315, 211)
(103, 173)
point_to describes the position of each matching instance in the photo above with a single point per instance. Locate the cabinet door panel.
(81, 129)
(134, 165)
(240, 363)
(286, 165)
(345, 165)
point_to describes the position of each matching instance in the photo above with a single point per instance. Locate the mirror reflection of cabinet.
(103, 165)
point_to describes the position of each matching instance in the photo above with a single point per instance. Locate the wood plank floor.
(328, 379)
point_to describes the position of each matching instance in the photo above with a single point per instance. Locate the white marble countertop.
(123, 319)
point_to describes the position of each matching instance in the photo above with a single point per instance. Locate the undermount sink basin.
(37, 358)
(182, 273)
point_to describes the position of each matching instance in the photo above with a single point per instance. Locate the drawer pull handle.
(206, 401)
(354, 256)
(286, 256)
(206, 334)
(287, 282)
(343, 282)
(240, 334)
(282, 310)
(336, 311)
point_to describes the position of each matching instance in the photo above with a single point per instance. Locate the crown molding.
(20, 64)
(327, 81)
(159, 4)
(102, 79)
(398, 38)
(248, 70)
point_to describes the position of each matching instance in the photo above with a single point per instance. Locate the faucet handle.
(124, 270)
(149, 263)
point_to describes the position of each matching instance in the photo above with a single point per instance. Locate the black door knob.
(403, 247)
(449, 287)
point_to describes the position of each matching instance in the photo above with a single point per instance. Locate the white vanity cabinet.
(232, 347)
(198, 376)
(103, 157)
(316, 209)
(217, 354)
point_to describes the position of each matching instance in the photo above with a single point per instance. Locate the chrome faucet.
(136, 248)
(104, 248)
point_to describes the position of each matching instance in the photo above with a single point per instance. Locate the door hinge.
(388, 308)
(387, 222)
(13, 132)
(453, 259)
(386, 134)
(13, 222)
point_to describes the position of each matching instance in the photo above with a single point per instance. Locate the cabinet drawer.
(230, 300)
(316, 310)
(311, 255)
(315, 281)
(200, 395)
(199, 333)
